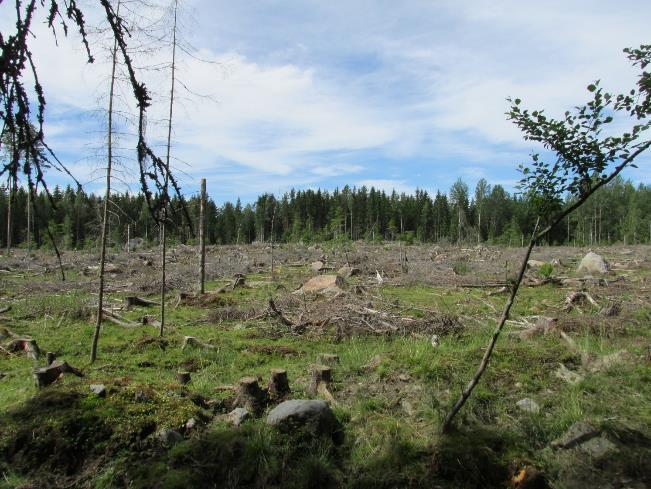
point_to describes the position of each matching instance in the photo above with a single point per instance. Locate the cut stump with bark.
(250, 395)
(320, 381)
(278, 383)
(183, 377)
(50, 374)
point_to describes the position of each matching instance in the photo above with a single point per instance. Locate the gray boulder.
(593, 264)
(313, 415)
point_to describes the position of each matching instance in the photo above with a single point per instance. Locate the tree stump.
(183, 377)
(320, 381)
(50, 357)
(47, 375)
(278, 383)
(250, 395)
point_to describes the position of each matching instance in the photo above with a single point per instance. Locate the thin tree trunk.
(202, 235)
(163, 266)
(9, 212)
(273, 218)
(491, 345)
(29, 220)
(167, 163)
(107, 196)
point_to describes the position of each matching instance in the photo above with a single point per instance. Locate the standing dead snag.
(202, 237)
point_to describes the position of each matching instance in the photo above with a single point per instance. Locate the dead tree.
(202, 237)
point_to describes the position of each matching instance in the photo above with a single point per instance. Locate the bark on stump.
(320, 381)
(250, 395)
(50, 357)
(183, 377)
(278, 383)
(47, 375)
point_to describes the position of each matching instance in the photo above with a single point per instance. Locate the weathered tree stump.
(320, 381)
(278, 383)
(50, 357)
(150, 320)
(47, 375)
(28, 345)
(183, 377)
(250, 395)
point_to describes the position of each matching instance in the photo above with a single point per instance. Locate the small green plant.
(461, 267)
(546, 270)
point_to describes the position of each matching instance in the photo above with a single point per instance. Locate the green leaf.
(517, 101)
(592, 87)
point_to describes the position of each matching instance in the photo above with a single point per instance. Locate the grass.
(391, 413)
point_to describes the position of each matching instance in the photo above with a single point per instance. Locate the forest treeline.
(620, 212)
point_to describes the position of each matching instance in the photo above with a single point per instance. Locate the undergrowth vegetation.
(391, 392)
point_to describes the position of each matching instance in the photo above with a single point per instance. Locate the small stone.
(576, 434)
(347, 272)
(328, 359)
(168, 436)
(404, 377)
(435, 341)
(535, 264)
(567, 375)
(407, 407)
(598, 447)
(373, 363)
(237, 416)
(317, 266)
(98, 389)
(528, 405)
(190, 423)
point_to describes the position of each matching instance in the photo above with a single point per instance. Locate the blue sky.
(309, 94)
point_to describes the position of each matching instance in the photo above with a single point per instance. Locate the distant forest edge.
(618, 213)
